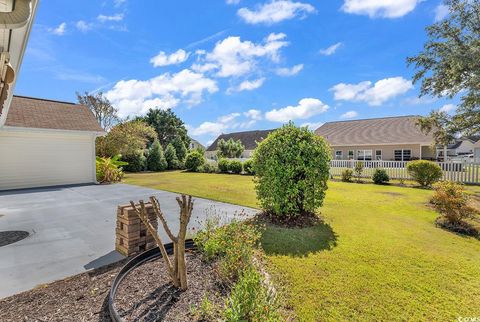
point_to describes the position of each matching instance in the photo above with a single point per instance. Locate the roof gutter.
(17, 18)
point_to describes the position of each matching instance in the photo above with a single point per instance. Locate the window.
(338, 155)
(403, 155)
(351, 155)
(378, 154)
(365, 155)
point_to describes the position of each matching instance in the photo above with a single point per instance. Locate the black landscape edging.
(132, 264)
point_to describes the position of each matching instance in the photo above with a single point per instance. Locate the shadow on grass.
(298, 241)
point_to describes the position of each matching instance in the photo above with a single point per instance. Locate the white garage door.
(43, 158)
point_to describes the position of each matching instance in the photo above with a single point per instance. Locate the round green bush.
(194, 161)
(380, 176)
(208, 168)
(235, 166)
(424, 172)
(136, 161)
(223, 165)
(248, 167)
(291, 169)
(347, 175)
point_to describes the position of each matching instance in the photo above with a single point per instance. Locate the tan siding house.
(249, 140)
(389, 138)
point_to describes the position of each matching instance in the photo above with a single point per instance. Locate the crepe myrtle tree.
(291, 171)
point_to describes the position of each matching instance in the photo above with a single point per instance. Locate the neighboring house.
(194, 144)
(476, 151)
(389, 138)
(47, 143)
(462, 146)
(249, 140)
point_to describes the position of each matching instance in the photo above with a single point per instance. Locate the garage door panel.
(43, 159)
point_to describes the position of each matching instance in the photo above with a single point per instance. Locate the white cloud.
(305, 109)
(380, 8)
(275, 11)
(233, 57)
(441, 11)
(232, 1)
(83, 26)
(60, 30)
(116, 17)
(289, 71)
(447, 108)
(312, 125)
(253, 114)
(349, 115)
(163, 59)
(330, 50)
(118, 3)
(373, 94)
(167, 90)
(212, 128)
(247, 85)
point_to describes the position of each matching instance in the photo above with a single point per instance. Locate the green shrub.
(109, 170)
(451, 200)
(359, 166)
(223, 165)
(171, 157)
(235, 166)
(156, 160)
(180, 149)
(424, 172)
(232, 245)
(136, 161)
(347, 175)
(380, 176)
(250, 300)
(292, 169)
(208, 168)
(194, 161)
(248, 167)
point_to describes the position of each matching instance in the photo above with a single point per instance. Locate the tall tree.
(125, 138)
(229, 148)
(180, 149)
(449, 65)
(167, 125)
(156, 159)
(104, 112)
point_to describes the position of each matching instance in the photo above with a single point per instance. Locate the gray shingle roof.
(248, 138)
(387, 130)
(48, 114)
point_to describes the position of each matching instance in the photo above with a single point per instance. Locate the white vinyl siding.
(45, 158)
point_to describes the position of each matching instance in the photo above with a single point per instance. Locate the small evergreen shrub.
(347, 175)
(359, 167)
(223, 165)
(235, 166)
(292, 169)
(248, 167)
(453, 203)
(136, 161)
(171, 157)
(380, 176)
(194, 161)
(424, 172)
(156, 159)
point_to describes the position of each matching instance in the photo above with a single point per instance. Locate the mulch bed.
(144, 295)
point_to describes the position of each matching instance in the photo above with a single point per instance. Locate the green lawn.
(378, 257)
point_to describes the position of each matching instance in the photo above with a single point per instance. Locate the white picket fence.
(463, 172)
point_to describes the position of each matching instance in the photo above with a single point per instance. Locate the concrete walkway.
(72, 229)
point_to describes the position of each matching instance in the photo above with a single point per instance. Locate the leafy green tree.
(136, 161)
(449, 65)
(180, 149)
(102, 109)
(171, 157)
(291, 171)
(194, 161)
(230, 148)
(168, 126)
(156, 159)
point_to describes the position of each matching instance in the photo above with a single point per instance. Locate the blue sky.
(234, 65)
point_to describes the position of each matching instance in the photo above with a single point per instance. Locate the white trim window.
(378, 155)
(338, 155)
(364, 155)
(403, 155)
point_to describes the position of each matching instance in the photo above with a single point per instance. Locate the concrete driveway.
(72, 229)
